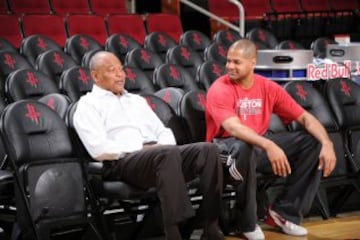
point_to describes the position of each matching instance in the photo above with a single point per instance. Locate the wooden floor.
(343, 227)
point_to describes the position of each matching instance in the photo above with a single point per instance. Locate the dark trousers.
(302, 151)
(168, 168)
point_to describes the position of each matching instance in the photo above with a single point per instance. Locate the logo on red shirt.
(249, 107)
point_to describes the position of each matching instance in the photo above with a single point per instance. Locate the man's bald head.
(96, 61)
(107, 72)
(247, 48)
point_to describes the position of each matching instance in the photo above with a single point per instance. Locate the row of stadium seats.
(302, 20)
(257, 9)
(63, 7)
(59, 28)
(335, 110)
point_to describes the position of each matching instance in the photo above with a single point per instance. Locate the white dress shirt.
(111, 126)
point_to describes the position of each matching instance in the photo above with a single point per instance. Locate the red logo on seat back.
(292, 45)
(201, 100)
(162, 40)
(196, 38)
(230, 37)
(123, 42)
(262, 35)
(167, 97)
(9, 60)
(84, 43)
(58, 59)
(216, 69)
(51, 103)
(32, 79)
(185, 53)
(83, 76)
(145, 55)
(174, 73)
(130, 74)
(345, 88)
(150, 103)
(32, 114)
(42, 44)
(222, 51)
(301, 91)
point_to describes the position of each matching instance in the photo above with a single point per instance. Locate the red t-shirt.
(253, 106)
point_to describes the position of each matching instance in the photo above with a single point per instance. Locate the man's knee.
(168, 155)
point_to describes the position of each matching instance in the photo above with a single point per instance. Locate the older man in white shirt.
(120, 129)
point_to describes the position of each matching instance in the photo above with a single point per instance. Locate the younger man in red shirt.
(238, 111)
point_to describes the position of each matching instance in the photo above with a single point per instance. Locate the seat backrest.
(289, 44)
(79, 44)
(168, 116)
(223, 8)
(38, 142)
(137, 81)
(87, 57)
(75, 82)
(171, 96)
(120, 45)
(143, 59)
(319, 46)
(28, 84)
(185, 57)
(195, 40)
(315, 5)
(171, 75)
(32, 46)
(94, 27)
(263, 36)
(340, 5)
(20, 7)
(208, 72)
(226, 37)
(64, 7)
(134, 26)
(343, 96)
(256, 9)
(5, 45)
(108, 7)
(276, 125)
(216, 52)
(286, 6)
(53, 63)
(11, 31)
(53, 29)
(192, 111)
(312, 101)
(159, 42)
(167, 23)
(9, 62)
(57, 102)
(4, 7)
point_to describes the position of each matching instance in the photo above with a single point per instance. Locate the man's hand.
(327, 159)
(278, 160)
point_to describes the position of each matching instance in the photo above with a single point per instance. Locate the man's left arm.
(327, 156)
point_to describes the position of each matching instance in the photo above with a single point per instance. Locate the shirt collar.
(103, 92)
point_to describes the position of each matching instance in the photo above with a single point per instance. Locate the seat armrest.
(95, 168)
